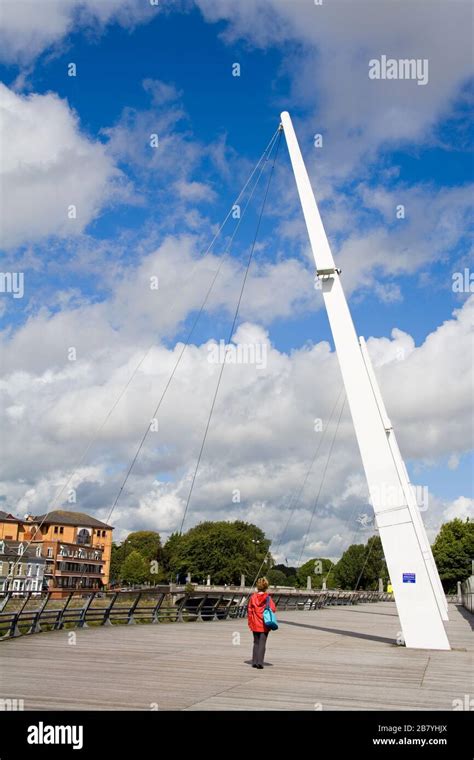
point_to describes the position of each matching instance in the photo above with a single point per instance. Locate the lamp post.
(255, 541)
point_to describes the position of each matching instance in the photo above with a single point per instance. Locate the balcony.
(69, 558)
(77, 574)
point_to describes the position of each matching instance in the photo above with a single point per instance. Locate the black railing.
(33, 612)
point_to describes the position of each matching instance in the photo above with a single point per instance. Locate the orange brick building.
(76, 546)
(11, 528)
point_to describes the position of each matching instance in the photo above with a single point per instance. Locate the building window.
(61, 529)
(55, 529)
(50, 552)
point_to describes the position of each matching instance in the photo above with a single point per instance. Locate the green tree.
(277, 577)
(374, 565)
(170, 553)
(349, 567)
(317, 569)
(222, 549)
(135, 569)
(361, 566)
(116, 562)
(289, 572)
(148, 544)
(453, 551)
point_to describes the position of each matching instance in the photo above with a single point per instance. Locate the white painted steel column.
(410, 573)
(406, 486)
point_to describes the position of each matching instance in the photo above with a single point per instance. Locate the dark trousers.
(259, 644)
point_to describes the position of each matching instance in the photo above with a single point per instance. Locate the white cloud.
(48, 167)
(261, 438)
(435, 223)
(428, 389)
(462, 508)
(194, 191)
(29, 27)
(336, 41)
(137, 313)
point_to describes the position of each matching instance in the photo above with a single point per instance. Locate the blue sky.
(399, 271)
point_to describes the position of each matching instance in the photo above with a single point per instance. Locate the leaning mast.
(418, 592)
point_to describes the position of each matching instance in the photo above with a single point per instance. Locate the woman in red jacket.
(255, 609)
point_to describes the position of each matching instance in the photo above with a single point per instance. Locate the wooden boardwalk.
(330, 659)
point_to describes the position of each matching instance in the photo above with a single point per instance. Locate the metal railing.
(33, 612)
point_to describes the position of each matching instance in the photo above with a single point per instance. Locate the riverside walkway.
(335, 658)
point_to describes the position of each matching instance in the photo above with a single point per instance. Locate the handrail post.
(35, 625)
(15, 631)
(181, 604)
(4, 603)
(214, 609)
(199, 608)
(155, 618)
(131, 620)
(59, 618)
(82, 619)
(106, 620)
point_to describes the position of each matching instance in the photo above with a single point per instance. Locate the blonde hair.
(262, 584)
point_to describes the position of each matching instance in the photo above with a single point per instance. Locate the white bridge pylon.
(419, 596)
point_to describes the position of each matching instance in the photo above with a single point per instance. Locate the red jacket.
(256, 606)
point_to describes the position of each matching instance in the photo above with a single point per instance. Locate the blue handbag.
(269, 617)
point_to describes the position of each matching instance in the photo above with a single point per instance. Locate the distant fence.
(34, 613)
(467, 594)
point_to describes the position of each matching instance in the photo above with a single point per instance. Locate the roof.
(11, 549)
(7, 517)
(69, 518)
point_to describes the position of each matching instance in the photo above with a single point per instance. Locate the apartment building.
(21, 567)
(77, 548)
(11, 527)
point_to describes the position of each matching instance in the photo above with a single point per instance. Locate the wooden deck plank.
(331, 659)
